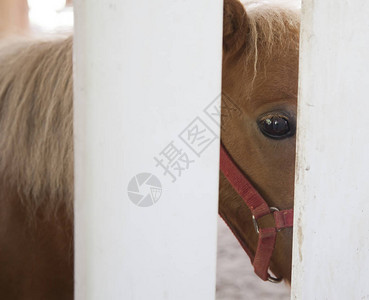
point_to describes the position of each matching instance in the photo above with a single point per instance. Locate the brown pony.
(260, 66)
(260, 76)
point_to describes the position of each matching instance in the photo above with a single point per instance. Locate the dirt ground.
(235, 276)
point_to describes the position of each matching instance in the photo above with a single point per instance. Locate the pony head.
(259, 95)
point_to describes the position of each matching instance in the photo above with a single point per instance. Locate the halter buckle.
(274, 279)
(256, 226)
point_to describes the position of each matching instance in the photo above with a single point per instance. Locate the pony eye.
(275, 126)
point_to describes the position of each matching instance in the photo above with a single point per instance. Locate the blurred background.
(35, 16)
(235, 277)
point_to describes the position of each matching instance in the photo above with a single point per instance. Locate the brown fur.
(36, 144)
(36, 122)
(260, 72)
(36, 170)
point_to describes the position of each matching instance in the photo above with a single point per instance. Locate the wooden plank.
(145, 72)
(331, 233)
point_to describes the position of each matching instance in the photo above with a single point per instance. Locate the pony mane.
(36, 105)
(36, 122)
(274, 28)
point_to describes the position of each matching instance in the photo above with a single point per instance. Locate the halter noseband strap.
(259, 208)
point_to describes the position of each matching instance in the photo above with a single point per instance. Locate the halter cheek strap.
(259, 208)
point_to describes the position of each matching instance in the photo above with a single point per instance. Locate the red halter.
(259, 208)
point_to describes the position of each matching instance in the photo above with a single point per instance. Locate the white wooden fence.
(138, 96)
(145, 72)
(331, 233)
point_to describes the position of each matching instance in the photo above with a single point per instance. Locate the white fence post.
(147, 77)
(331, 233)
